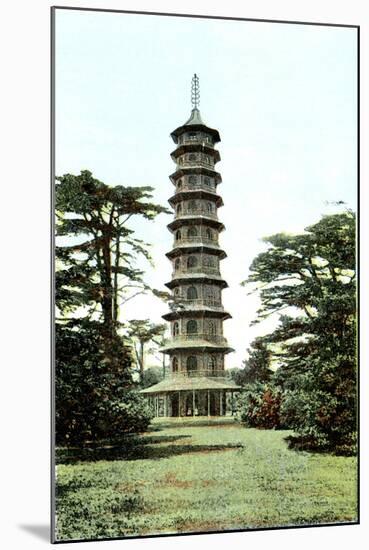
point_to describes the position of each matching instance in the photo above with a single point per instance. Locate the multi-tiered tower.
(197, 345)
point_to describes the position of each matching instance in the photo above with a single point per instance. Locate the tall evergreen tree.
(97, 263)
(96, 273)
(256, 368)
(312, 278)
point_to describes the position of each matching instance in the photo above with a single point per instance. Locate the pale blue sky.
(283, 98)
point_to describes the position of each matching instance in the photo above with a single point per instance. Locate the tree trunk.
(115, 288)
(107, 301)
(141, 359)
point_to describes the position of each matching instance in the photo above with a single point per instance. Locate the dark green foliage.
(95, 397)
(314, 273)
(151, 376)
(96, 274)
(257, 366)
(258, 406)
(96, 268)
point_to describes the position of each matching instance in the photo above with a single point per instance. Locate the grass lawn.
(196, 477)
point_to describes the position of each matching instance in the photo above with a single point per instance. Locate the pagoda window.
(192, 293)
(192, 232)
(176, 291)
(191, 363)
(209, 234)
(179, 184)
(191, 327)
(192, 180)
(175, 328)
(207, 181)
(180, 160)
(212, 364)
(177, 264)
(179, 208)
(192, 157)
(174, 364)
(209, 207)
(192, 261)
(210, 294)
(192, 136)
(178, 235)
(192, 205)
(212, 328)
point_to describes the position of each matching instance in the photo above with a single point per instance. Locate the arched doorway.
(191, 293)
(174, 365)
(191, 363)
(191, 327)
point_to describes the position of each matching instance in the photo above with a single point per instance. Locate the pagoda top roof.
(195, 122)
(195, 118)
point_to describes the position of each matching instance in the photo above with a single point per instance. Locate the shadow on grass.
(193, 423)
(136, 448)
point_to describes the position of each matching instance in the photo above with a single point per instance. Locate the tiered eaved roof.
(197, 345)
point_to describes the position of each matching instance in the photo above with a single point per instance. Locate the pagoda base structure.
(184, 396)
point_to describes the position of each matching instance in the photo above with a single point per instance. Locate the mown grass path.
(202, 478)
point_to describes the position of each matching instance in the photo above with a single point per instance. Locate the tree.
(142, 331)
(311, 277)
(97, 265)
(151, 376)
(96, 273)
(94, 395)
(256, 368)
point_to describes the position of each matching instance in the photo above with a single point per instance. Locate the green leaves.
(258, 406)
(96, 273)
(257, 366)
(99, 251)
(94, 389)
(142, 331)
(311, 278)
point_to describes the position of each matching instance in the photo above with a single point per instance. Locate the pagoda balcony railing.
(196, 140)
(210, 302)
(196, 211)
(215, 338)
(198, 239)
(195, 164)
(209, 373)
(197, 269)
(194, 186)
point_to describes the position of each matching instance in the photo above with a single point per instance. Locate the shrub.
(130, 415)
(322, 422)
(259, 406)
(94, 398)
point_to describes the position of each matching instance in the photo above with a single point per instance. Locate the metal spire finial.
(195, 91)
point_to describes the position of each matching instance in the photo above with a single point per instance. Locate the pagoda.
(196, 383)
